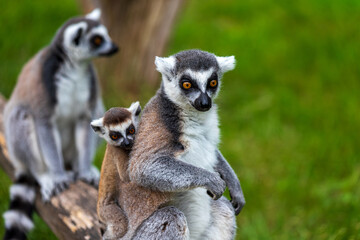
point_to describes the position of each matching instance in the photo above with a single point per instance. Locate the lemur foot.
(50, 186)
(91, 177)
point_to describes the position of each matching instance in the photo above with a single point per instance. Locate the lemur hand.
(215, 186)
(237, 201)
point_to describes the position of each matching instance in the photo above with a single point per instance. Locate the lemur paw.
(113, 232)
(50, 186)
(216, 186)
(91, 177)
(238, 202)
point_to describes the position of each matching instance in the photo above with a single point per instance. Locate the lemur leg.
(54, 179)
(167, 223)
(28, 155)
(85, 144)
(223, 224)
(108, 210)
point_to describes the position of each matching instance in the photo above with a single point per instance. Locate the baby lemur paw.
(113, 232)
(216, 186)
(91, 177)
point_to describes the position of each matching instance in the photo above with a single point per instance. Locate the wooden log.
(71, 214)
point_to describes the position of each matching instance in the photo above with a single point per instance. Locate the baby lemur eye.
(213, 83)
(131, 130)
(97, 40)
(186, 85)
(114, 136)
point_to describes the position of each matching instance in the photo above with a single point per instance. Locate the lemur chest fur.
(72, 91)
(200, 135)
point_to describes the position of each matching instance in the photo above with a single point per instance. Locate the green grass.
(290, 119)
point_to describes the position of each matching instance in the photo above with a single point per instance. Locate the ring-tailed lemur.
(176, 147)
(47, 118)
(129, 210)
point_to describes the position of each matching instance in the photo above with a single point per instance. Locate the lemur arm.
(108, 210)
(232, 182)
(167, 174)
(85, 144)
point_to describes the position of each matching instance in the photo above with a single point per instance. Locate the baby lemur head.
(118, 126)
(84, 38)
(191, 79)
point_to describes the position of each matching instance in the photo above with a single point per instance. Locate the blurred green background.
(290, 118)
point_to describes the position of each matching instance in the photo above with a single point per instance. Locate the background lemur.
(176, 147)
(128, 210)
(47, 118)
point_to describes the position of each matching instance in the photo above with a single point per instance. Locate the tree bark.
(71, 214)
(141, 28)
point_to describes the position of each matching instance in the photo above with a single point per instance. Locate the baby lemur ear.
(226, 63)
(165, 66)
(135, 108)
(94, 15)
(98, 126)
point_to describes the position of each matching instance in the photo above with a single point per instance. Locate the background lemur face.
(119, 125)
(192, 78)
(85, 38)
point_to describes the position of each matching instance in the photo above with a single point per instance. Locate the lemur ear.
(135, 108)
(226, 63)
(98, 126)
(165, 65)
(76, 39)
(94, 15)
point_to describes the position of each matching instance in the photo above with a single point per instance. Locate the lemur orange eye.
(132, 131)
(186, 85)
(114, 136)
(213, 83)
(98, 40)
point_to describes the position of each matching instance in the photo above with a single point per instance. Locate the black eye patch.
(130, 130)
(115, 135)
(96, 41)
(212, 83)
(186, 87)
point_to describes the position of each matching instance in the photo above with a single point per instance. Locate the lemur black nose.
(126, 142)
(203, 103)
(114, 49)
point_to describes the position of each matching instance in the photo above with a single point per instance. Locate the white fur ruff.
(201, 136)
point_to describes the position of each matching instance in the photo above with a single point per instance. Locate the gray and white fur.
(47, 118)
(176, 147)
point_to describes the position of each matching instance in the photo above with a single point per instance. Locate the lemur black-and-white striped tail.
(18, 219)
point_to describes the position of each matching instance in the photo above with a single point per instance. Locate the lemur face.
(86, 38)
(119, 125)
(191, 79)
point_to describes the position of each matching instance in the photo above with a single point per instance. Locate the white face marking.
(176, 94)
(201, 77)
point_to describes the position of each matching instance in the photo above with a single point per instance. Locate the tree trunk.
(141, 28)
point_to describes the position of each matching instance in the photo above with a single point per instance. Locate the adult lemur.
(129, 210)
(176, 145)
(47, 118)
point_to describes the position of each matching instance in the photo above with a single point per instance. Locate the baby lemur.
(47, 117)
(129, 210)
(176, 148)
